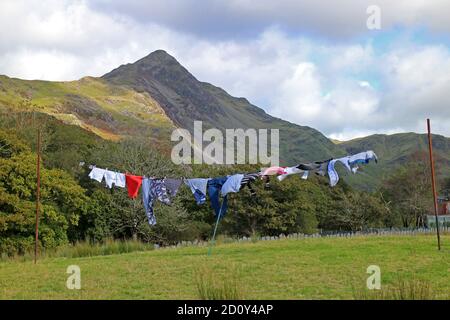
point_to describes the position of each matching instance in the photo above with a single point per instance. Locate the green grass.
(213, 286)
(312, 268)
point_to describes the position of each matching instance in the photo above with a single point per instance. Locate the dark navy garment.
(200, 198)
(157, 189)
(214, 188)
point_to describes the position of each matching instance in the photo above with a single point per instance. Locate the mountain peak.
(159, 56)
(159, 52)
(158, 65)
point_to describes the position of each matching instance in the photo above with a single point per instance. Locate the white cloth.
(120, 180)
(112, 177)
(363, 157)
(305, 175)
(351, 163)
(97, 174)
(290, 171)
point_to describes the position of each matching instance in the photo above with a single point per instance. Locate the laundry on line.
(165, 189)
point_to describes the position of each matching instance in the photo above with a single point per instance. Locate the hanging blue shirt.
(233, 184)
(214, 188)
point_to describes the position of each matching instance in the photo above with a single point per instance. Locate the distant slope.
(185, 99)
(91, 103)
(394, 151)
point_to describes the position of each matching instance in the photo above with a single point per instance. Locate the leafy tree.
(62, 200)
(408, 193)
(10, 144)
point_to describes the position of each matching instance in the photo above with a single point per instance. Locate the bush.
(62, 202)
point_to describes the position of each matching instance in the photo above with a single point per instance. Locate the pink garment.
(273, 171)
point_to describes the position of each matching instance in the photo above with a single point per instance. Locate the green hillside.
(91, 103)
(394, 151)
(313, 268)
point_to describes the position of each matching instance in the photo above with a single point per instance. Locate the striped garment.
(248, 179)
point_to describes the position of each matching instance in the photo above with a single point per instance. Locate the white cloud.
(66, 40)
(35, 64)
(417, 82)
(301, 99)
(252, 69)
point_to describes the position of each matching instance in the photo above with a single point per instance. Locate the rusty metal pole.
(433, 183)
(38, 187)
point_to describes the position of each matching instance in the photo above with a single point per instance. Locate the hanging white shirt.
(110, 178)
(351, 163)
(97, 174)
(290, 171)
(120, 180)
(363, 157)
(116, 178)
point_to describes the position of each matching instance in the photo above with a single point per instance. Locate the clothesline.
(165, 189)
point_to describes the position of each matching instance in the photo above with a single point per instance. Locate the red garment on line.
(133, 184)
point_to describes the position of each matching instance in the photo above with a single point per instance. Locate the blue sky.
(309, 63)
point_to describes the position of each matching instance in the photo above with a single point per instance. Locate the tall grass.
(211, 285)
(411, 289)
(85, 249)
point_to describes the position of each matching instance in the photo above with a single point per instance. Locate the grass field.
(312, 268)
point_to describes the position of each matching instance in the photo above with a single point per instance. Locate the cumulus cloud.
(80, 40)
(343, 110)
(417, 81)
(312, 65)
